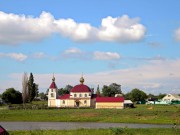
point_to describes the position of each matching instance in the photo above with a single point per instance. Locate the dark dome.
(80, 88)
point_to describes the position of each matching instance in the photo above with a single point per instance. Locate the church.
(81, 96)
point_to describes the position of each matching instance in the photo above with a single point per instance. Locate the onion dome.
(81, 80)
(81, 87)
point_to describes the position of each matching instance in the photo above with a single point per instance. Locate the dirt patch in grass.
(89, 114)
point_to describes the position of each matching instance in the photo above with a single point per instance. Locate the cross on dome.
(81, 79)
(53, 79)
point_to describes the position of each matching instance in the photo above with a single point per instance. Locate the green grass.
(156, 114)
(112, 131)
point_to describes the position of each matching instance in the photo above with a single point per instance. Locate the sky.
(132, 43)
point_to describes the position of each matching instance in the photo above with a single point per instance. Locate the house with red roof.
(81, 96)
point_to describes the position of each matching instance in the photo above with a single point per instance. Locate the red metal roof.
(66, 96)
(109, 99)
(53, 85)
(80, 88)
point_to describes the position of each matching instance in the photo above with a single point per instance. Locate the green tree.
(160, 96)
(36, 90)
(12, 96)
(151, 96)
(43, 96)
(98, 91)
(106, 91)
(115, 88)
(111, 90)
(136, 95)
(127, 96)
(31, 87)
(92, 90)
(65, 90)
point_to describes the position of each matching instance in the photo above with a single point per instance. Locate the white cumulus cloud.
(106, 55)
(73, 51)
(16, 29)
(121, 29)
(17, 56)
(177, 34)
(78, 32)
(38, 55)
(97, 55)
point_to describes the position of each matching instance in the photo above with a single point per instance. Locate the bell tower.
(52, 93)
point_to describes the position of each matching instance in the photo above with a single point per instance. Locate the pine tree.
(31, 87)
(36, 90)
(98, 91)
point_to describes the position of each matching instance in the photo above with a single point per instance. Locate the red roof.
(80, 88)
(53, 85)
(66, 96)
(109, 99)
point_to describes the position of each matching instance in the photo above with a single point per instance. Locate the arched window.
(63, 101)
(85, 95)
(52, 94)
(75, 95)
(80, 95)
(85, 101)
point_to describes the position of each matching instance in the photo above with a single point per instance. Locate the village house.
(171, 97)
(81, 96)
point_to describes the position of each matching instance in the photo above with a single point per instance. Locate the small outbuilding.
(110, 102)
(128, 103)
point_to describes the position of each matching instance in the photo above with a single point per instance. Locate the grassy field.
(155, 114)
(112, 131)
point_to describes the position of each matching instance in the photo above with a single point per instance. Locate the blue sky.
(133, 43)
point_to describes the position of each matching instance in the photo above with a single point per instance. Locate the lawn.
(155, 114)
(111, 131)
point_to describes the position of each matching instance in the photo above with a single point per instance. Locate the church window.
(85, 95)
(52, 95)
(51, 90)
(74, 95)
(85, 101)
(80, 95)
(63, 101)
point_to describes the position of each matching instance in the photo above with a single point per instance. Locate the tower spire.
(53, 79)
(81, 79)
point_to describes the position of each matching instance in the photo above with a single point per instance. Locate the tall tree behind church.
(31, 87)
(25, 93)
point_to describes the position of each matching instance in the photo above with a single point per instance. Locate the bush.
(12, 96)
(117, 131)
